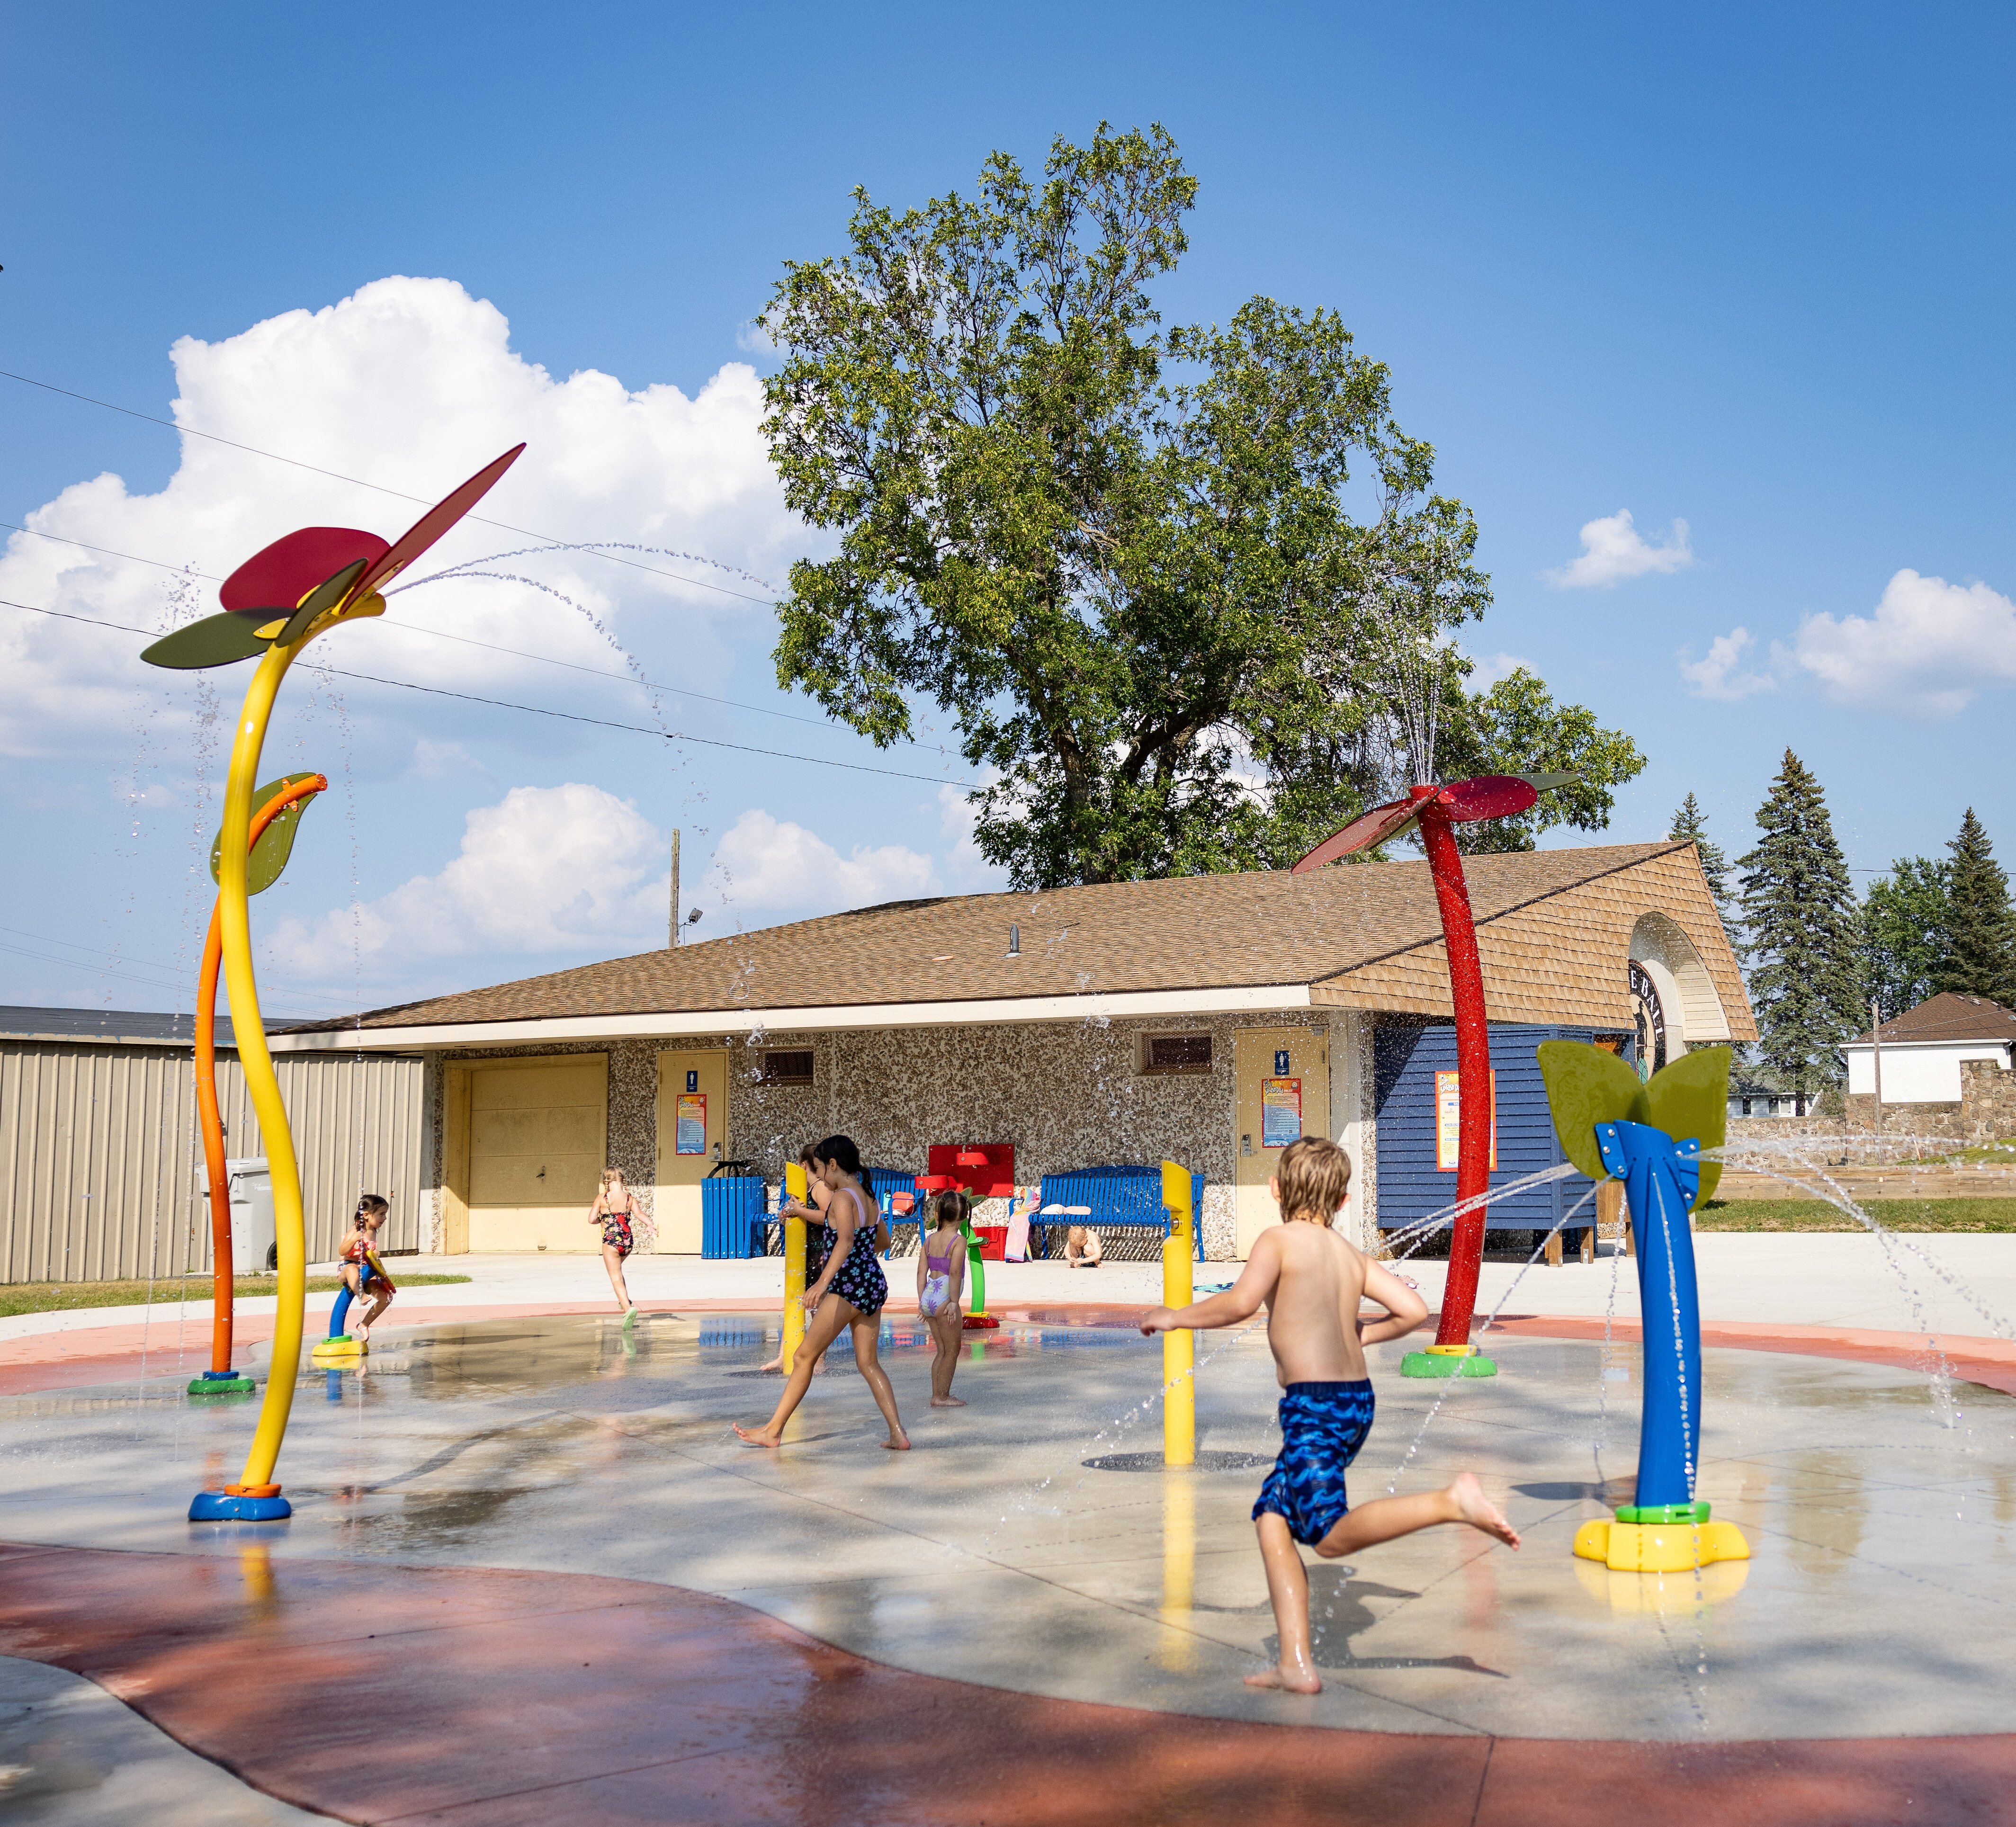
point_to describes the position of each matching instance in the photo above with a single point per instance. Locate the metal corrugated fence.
(101, 1168)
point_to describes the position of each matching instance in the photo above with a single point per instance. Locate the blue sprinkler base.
(220, 1506)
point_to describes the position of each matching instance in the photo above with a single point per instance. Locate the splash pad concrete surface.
(531, 1574)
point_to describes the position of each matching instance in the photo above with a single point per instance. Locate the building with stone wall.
(1131, 1022)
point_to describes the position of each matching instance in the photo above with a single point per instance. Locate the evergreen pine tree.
(1804, 931)
(1906, 918)
(1690, 825)
(1980, 956)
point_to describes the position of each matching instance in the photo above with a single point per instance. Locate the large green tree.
(1122, 557)
(1906, 916)
(1801, 927)
(1979, 957)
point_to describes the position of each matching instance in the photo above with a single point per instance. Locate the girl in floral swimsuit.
(850, 1292)
(612, 1212)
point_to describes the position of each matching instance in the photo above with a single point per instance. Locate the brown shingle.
(1372, 923)
(1949, 1016)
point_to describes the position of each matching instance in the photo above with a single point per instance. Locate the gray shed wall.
(101, 1167)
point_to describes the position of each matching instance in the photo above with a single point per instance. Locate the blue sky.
(1743, 269)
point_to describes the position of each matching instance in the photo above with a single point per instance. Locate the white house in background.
(1923, 1049)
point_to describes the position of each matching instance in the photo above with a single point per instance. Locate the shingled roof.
(1554, 926)
(1948, 1017)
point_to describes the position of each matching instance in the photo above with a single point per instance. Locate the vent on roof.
(1175, 1053)
(793, 1065)
(1014, 939)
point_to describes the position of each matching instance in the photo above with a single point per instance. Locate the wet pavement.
(1033, 1543)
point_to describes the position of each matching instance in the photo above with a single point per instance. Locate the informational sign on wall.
(1280, 1111)
(1449, 1120)
(690, 1130)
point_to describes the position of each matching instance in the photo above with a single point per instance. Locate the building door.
(693, 1135)
(1283, 1095)
(539, 1133)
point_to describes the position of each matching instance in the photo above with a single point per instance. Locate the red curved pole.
(208, 1116)
(1473, 1065)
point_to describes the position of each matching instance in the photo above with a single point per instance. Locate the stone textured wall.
(1986, 1112)
(1067, 1094)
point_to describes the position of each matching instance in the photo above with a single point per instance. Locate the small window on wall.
(792, 1067)
(1175, 1053)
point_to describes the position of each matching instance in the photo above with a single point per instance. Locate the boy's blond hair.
(1315, 1179)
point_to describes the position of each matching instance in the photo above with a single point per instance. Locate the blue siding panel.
(1409, 1187)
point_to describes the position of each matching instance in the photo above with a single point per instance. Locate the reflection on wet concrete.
(1004, 1550)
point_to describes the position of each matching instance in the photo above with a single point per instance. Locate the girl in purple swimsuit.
(940, 1275)
(850, 1292)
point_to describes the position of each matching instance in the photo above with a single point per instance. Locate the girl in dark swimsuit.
(850, 1292)
(817, 1238)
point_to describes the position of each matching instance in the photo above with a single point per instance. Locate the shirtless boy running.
(1312, 1281)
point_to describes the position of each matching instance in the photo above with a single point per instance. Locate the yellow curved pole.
(262, 1084)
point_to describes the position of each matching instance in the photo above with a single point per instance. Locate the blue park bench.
(1109, 1199)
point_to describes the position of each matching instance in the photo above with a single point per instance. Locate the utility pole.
(1876, 1043)
(675, 938)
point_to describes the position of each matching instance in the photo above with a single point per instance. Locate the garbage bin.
(732, 1210)
(253, 1251)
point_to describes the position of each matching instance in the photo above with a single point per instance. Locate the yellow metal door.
(693, 1134)
(1284, 1094)
(538, 1132)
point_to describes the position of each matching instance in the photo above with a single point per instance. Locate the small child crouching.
(363, 1274)
(1312, 1281)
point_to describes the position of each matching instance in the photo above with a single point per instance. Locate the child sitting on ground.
(361, 1269)
(1082, 1249)
(941, 1275)
(1313, 1281)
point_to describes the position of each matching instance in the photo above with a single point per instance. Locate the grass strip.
(57, 1296)
(1898, 1214)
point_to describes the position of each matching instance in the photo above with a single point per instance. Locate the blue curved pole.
(1660, 1176)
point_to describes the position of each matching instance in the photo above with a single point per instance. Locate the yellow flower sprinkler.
(275, 604)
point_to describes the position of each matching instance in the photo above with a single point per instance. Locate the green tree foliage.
(1120, 557)
(1905, 918)
(1802, 925)
(1690, 825)
(1979, 957)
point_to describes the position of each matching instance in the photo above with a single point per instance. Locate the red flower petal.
(431, 525)
(1373, 827)
(276, 580)
(1489, 796)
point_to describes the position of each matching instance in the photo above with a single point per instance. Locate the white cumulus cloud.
(1721, 675)
(547, 869)
(1613, 550)
(411, 384)
(1929, 647)
(767, 866)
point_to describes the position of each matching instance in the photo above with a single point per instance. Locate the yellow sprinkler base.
(342, 1349)
(1659, 1548)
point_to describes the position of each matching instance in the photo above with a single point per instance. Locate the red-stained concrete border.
(386, 1694)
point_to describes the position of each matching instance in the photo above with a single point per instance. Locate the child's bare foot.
(754, 1436)
(776, 1363)
(896, 1443)
(947, 1402)
(1473, 1507)
(1294, 1681)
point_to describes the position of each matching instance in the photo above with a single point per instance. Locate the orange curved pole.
(208, 1116)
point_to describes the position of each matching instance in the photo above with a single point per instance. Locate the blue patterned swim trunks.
(1323, 1426)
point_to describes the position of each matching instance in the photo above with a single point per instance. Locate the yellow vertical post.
(1178, 1347)
(795, 1187)
(1179, 1646)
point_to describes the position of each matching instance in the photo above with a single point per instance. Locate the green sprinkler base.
(1446, 1364)
(1660, 1514)
(209, 1383)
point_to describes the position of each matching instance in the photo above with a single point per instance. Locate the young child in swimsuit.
(611, 1210)
(941, 1277)
(1312, 1281)
(850, 1292)
(363, 1274)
